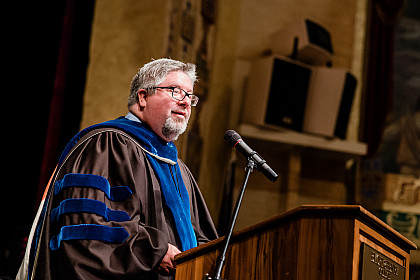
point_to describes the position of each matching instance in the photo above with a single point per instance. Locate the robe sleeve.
(107, 221)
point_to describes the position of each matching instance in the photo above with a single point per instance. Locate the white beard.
(172, 129)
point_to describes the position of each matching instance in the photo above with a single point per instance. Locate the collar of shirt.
(132, 117)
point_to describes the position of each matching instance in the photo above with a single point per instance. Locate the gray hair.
(154, 73)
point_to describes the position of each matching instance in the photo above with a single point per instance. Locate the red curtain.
(383, 15)
(54, 120)
(67, 96)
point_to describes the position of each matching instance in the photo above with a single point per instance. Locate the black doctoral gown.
(113, 156)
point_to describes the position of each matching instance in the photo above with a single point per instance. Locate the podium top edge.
(356, 211)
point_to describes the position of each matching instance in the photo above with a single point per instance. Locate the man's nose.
(185, 102)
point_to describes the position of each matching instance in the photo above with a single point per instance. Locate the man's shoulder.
(101, 136)
(113, 131)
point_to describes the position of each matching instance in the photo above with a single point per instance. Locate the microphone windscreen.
(232, 137)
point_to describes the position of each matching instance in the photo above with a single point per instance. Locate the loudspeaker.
(286, 93)
(276, 92)
(329, 102)
(306, 41)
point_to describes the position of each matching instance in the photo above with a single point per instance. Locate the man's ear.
(142, 95)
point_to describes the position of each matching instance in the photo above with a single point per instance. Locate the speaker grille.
(287, 98)
(319, 36)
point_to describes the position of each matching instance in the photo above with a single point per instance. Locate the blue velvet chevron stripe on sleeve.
(89, 232)
(79, 205)
(118, 193)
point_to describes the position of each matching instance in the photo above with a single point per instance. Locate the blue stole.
(159, 153)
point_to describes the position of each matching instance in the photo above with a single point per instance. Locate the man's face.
(167, 116)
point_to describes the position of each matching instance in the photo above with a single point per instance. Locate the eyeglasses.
(179, 94)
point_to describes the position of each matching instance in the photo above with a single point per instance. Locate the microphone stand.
(222, 258)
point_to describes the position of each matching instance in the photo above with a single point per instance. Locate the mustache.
(181, 111)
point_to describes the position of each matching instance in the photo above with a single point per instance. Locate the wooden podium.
(309, 242)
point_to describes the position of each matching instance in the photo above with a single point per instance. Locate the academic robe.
(107, 194)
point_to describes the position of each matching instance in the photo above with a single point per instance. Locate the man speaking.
(120, 204)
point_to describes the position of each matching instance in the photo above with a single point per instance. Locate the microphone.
(235, 140)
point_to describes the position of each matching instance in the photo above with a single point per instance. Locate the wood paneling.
(309, 242)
